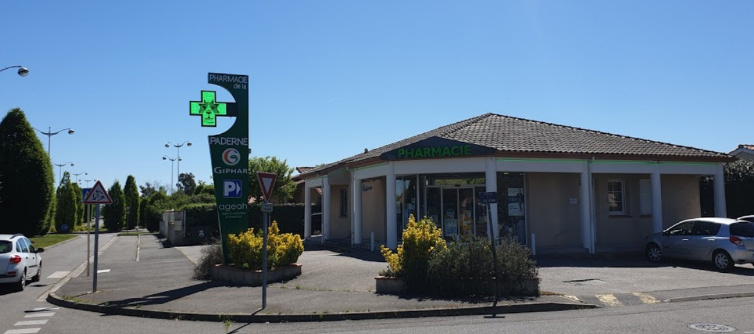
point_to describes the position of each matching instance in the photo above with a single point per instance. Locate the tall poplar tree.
(132, 202)
(115, 213)
(28, 187)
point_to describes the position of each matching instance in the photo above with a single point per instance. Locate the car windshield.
(5, 247)
(742, 229)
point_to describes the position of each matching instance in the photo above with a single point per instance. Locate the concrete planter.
(527, 287)
(249, 277)
(389, 285)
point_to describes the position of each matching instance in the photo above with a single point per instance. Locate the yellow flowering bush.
(282, 249)
(411, 259)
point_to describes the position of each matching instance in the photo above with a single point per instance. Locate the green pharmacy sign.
(229, 152)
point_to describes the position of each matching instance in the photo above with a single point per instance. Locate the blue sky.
(330, 78)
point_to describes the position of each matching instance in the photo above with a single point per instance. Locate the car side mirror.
(40, 250)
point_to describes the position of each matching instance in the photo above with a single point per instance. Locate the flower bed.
(251, 277)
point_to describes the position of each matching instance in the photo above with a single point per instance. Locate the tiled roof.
(508, 134)
(746, 147)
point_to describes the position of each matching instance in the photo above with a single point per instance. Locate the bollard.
(372, 240)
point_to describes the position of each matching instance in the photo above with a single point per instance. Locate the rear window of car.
(5, 247)
(742, 229)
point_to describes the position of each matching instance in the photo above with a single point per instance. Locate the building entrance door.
(458, 214)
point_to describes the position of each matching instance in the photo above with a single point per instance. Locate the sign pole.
(88, 238)
(264, 260)
(96, 247)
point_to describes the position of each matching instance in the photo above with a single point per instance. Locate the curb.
(709, 297)
(53, 298)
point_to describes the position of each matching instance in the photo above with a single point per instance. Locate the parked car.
(723, 241)
(747, 218)
(19, 261)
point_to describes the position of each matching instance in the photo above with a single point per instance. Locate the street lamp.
(77, 175)
(165, 157)
(22, 71)
(60, 170)
(87, 182)
(49, 135)
(178, 148)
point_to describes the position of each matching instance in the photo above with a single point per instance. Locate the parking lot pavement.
(633, 280)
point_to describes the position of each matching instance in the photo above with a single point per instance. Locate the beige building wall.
(680, 200)
(551, 215)
(373, 209)
(340, 225)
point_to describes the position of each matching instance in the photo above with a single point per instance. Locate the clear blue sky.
(330, 78)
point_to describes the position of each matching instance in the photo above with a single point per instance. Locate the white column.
(391, 224)
(718, 188)
(490, 176)
(656, 185)
(356, 213)
(307, 211)
(586, 208)
(325, 208)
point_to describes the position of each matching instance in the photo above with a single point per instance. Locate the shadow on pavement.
(631, 261)
(163, 297)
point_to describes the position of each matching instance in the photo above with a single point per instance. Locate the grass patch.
(51, 239)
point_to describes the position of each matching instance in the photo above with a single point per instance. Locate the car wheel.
(722, 261)
(38, 276)
(654, 252)
(22, 283)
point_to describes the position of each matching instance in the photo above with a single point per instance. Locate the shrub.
(411, 260)
(282, 249)
(212, 254)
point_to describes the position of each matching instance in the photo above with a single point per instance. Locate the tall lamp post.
(60, 170)
(172, 160)
(22, 71)
(77, 176)
(49, 135)
(87, 182)
(178, 150)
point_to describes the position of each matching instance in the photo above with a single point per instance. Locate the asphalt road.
(23, 312)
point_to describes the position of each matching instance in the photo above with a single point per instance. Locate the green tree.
(203, 188)
(186, 183)
(148, 189)
(115, 213)
(132, 202)
(65, 216)
(25, 165)
(79, 203)
(284, 186)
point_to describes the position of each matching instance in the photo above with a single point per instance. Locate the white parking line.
(58, 274)
(39, 315)
(31, 323)
(103, 271)
(23, 331)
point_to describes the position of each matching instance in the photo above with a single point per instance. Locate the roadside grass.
(51, 239)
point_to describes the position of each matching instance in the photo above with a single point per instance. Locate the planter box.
(249, 277)
(389, 285)
(486, 287)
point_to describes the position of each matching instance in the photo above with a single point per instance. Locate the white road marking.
(37, 309)
(609, 300)
(571, 297)
(39, 315)
(103, 271)
(31, 323)
(58, 274)
(23, 331)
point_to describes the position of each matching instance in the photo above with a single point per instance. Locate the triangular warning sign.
(98, 195)
(267, 182)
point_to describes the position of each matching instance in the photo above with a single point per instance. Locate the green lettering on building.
(434, 152)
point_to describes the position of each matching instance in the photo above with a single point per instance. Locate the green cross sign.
(208, 108)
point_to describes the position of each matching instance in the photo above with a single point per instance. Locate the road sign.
(488, 198)
(267, 207)
(98, 195)
(267, 182)
(84, 193)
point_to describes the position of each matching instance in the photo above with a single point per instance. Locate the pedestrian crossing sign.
(98, 195)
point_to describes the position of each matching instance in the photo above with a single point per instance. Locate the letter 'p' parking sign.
(232, 188)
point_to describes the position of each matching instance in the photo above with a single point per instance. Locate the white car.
(19, 261)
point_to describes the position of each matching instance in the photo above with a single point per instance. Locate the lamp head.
(71, 163)
(164, 158)
(188, 144)
(71, 131)
(167, 145)
(23, 71)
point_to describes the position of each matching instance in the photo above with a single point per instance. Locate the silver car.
(723, 241)
(19, 261)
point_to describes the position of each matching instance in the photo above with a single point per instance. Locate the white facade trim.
(718, 188)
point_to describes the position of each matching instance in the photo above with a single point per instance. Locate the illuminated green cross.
(209, 109)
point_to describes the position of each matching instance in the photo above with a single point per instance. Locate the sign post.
(84, 193)
(229, 152)
(489, 198)
(97, 196)
(266, 182)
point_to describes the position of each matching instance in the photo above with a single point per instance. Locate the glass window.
(5, 247)
(24, 246)
(682, 229)
(706, 228)
(615, 198)
(742, 229)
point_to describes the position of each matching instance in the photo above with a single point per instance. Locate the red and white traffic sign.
(98, 195)
(267, 182)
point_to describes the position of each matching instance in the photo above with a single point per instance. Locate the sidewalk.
(332, 286)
